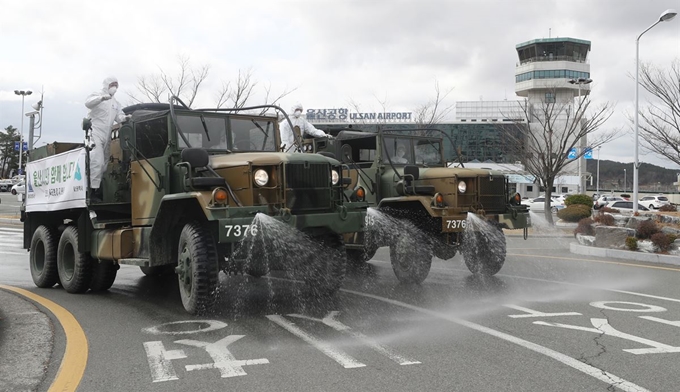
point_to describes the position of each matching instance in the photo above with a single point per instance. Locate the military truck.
(422, 189)
(183, 188)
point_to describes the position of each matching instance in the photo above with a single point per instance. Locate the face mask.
(112, 90)
(400, 153)
(297, 113)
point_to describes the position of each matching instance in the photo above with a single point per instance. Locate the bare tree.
(433, 111)
(549, 130)
(242, 93)
(659, 125)
(185, 84)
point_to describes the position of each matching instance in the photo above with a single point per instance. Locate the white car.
(538, 204)
(625, 206)
(654, 202)
(19, 188)
(606, 200)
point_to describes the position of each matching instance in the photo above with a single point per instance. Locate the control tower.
(555, 70)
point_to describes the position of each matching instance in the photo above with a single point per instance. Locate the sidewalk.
(26, 338)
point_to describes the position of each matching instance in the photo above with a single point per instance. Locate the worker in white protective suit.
(288, 135)
(104, 111)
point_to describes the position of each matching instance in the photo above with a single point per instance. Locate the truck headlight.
(462, 187)
(335, 177)
(261, 177)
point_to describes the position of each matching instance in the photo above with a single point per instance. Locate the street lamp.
(598, 171)
(625, 180)
(665, 16)
(579, 82)
(21, 138)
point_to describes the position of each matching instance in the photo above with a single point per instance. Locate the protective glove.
(106, 97)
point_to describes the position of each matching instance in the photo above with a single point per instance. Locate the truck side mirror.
(346, 151)
(126, 136)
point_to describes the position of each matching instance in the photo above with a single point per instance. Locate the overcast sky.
(332, 52)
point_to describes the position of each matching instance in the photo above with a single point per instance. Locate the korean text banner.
(57, 182)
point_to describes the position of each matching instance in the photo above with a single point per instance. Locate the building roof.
(550, 40)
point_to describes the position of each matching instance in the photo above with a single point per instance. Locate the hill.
(650, 177)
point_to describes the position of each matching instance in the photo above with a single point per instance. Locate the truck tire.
(43, 257)
(484, 253)
(411, 262)
(103, 275)
(198, 268)
(75, 268)
(323, 274)
(158, 270)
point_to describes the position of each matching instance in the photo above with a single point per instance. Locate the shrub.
(605, 219)
(579, 199)
(668, 208)
(585, 227)
(646, 229)
(631, 243)
(609, 210)
(574, 213)
(662, 241)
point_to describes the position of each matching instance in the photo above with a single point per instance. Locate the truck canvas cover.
(57, 182)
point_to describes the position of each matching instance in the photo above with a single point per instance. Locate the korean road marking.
(534, 313)
(662, 321)
(212, 325)
(331, 321)
(335, 354)
(644, 308)
(223, 359)
(160, 361)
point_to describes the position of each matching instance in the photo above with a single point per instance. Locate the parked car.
(654, 202)
(19, 188)
(6, 185)
(538, 204)
(605, 200)
(626, 206)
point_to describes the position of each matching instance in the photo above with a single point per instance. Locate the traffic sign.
(16, 146)
(572, 154)
(589, 153)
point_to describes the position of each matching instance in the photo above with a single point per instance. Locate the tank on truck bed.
(183, 188)
(417, 185)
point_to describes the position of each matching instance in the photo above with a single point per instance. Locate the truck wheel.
(43, 257)
(357, 257)
(484, 252)
(323, 274)
(411, 262)
(444, 251)
(75, 268)
(158, 270)
(197, 269)
(103, 275)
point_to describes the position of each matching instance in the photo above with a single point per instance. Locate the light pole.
(21, 138)
(665, 16)
(579, 82)
(598, 171)
(625, 180)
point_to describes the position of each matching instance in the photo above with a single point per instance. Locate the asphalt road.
(549, 320)
(9, 204)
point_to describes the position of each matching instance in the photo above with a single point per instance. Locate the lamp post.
(625, 180)
(21, 138)
(579, 82)
(598, 171)
(665, 16)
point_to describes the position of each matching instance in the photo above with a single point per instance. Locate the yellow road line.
(74, 362)
(597, 261)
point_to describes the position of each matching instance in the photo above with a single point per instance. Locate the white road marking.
(213, 325)
(331, 321)
(160, 361)
(644, 307)
(223, 359)
(335, 354)
(12, 242)
(662, 321)
(536, 313)
(602, 327)
(592, 371)
(11, 229)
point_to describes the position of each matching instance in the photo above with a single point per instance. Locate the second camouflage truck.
(406, 177)
(182, 190)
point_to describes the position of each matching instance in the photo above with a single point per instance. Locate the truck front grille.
(308, 187)
(492, 193)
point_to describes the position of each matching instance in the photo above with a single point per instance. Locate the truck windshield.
(247, 134)
(253, 135)
(428, 152)
(194, 131)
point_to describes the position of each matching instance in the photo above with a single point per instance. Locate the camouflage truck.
(421, 188)
(182, 189)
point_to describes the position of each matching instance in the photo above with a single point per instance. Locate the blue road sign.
(572, 154)
(589, 153)
(16, 146)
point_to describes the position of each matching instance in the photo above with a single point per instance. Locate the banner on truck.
(57, 182)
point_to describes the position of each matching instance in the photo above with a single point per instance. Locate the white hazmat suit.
(104, 111)
(287, 134)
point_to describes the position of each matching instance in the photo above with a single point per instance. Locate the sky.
(330, 52)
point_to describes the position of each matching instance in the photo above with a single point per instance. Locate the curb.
(26, 338)
(623, 254)
(10, 221)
